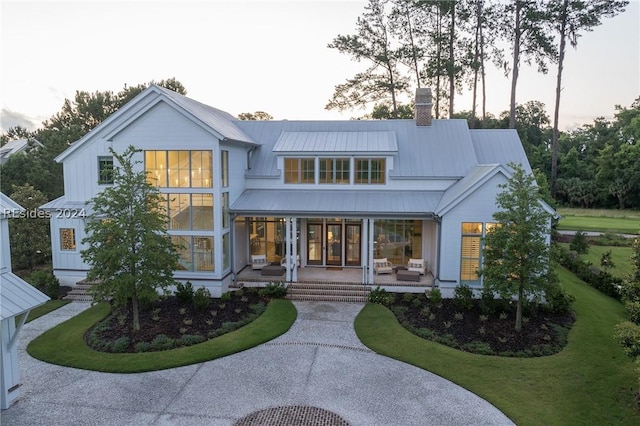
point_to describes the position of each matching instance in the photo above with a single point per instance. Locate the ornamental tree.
(130, 254)
(517, 255)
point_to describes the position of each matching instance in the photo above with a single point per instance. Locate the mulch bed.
(175, 319)
(471, 330)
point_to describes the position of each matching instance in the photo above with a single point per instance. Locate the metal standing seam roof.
(221, 121)
(17, 297)
(499, 146)
(8, 207)
(343, 203)
(458, 191)
(61, 203)
(442, 150)
(336, 142)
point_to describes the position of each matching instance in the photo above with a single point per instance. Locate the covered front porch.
(335, 275)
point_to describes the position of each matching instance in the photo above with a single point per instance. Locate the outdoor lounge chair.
(283, 262)
(418, 265)
(382, 266)
(258, 261)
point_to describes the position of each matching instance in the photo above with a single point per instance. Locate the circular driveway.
(319, 362)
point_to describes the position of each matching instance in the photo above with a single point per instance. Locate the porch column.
(294, 248)
(364, 248)
(371, 229)
(287, 248)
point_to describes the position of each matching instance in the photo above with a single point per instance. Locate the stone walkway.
(315, 372)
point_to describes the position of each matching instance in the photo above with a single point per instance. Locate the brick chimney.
(423, 107)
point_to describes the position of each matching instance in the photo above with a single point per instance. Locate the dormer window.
(299, 170)
(335, 170)
(370, 170)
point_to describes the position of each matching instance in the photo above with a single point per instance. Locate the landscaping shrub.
(191, 339)
(435, 296)
(628, 335)
(273, 291)
(579, 243)
(162, 343)
(184, 292)
(558, 300)
(463, 296)
(379, 296)
(601, 280)
(46, 282)
(633, 310)
(202, 299)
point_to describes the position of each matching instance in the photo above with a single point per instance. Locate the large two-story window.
(224, 168)
(471, 250)
(370, 170)
(179, 169)
(299, 170)
(335, 170)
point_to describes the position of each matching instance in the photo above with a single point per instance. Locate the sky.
(247, 56)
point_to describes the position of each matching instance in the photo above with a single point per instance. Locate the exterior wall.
(10, 377)
(68, 266)
(477, 207)
(5, 251)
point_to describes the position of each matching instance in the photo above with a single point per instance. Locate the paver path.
(319, 363)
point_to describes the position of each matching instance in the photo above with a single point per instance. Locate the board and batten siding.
(478, 206)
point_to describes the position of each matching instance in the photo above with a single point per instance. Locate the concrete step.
(330, 292)
(79, 293)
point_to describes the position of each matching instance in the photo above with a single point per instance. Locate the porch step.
(328, 292)
(79, 293)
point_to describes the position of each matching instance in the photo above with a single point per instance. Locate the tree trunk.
(483, 76)
(476, 62)
(515, 70)
(413, 47)
(556, 113)
(136, 313)
(451, 70)
(519, 309)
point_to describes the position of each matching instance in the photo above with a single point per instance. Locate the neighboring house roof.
(344, 203)
(443, 150)
(61, 204)
(18, 297)
(220, 123)
(16, 146)
(8, 207)
(337, 142)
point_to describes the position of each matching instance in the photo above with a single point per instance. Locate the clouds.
(9, 119)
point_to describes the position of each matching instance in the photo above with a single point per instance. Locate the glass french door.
(334, 244)
(314, 243)
(353, 247)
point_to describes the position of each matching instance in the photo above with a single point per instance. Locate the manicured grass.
(617, 221)
(621, 257)
(41, 310)
(590, 382)
(65, 345)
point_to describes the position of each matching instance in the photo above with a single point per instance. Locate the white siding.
(5, 251)
(477, 207)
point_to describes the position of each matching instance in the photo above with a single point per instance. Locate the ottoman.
(408, 276)
(273, 270)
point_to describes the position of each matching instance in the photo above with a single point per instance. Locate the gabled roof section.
(337, 142)
(499, 146)
(467, 185)
(18, 297)
(80, 208)
(220, 123)
(8, 207)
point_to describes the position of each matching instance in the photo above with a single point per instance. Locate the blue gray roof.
(18, 297)
(337, 142)
(499, 146)
(442, 150)
(343, 203)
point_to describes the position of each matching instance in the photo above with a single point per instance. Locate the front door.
(334, 244)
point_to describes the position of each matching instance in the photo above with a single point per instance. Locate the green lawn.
(65, 345)
(49, 306)
(590, 382)
(621, 259)
(617, 221)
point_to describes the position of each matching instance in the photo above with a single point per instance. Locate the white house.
(17, 298)
(331, 193)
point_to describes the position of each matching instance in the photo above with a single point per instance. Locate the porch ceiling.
(336, 203)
